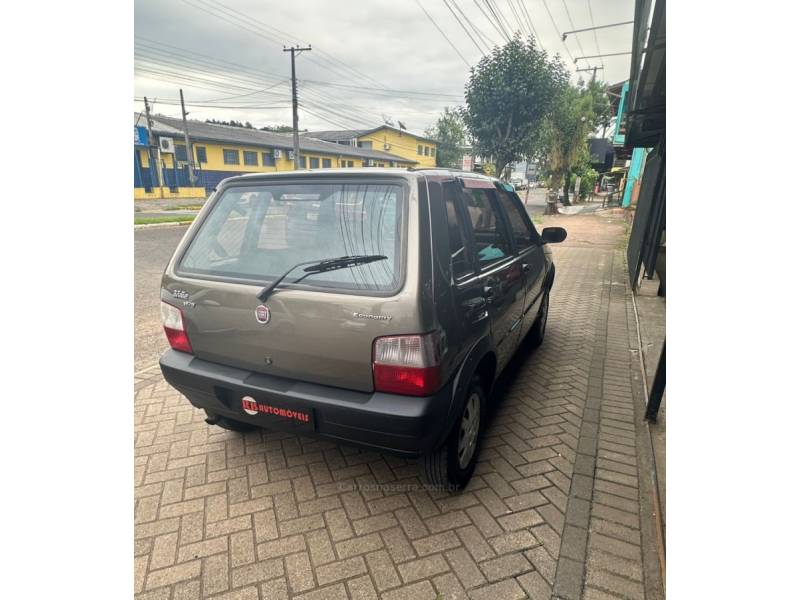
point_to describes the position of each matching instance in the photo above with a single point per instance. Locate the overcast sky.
(385, 58)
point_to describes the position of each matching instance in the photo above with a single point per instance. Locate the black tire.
(230, 424)
(540, 325)
(443, 467)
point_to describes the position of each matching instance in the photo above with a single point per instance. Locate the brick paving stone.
(508, 589)
(272, 515)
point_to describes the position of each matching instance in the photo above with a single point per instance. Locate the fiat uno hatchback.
(369, 306)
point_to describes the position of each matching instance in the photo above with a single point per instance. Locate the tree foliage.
(509, 95)
(451, 134)
(578, 111)
(249, 125)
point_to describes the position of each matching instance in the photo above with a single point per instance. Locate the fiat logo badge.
(262, 314)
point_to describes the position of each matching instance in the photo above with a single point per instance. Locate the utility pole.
(189, 150)
(151, 143)
(295, 135)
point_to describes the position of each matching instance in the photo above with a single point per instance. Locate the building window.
(180, 152)
(427, 151)
(302, 162)
(314, 162)
(251, 158)
(433, 151)
(326, 163)
(419, 149)
(364, 163)
(367, 145)
(230, 157)
(267, 159)
(350, 163)
(201, 154)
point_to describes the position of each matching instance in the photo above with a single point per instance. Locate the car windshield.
(256, 233)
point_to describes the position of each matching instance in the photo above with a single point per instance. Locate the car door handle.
(526, 268)
(475, 304)
(476, 309)
(490, 293)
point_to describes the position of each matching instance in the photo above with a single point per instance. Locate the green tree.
(451, 134)
(578, 111)
(509, 95)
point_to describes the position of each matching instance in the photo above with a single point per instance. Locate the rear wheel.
(539, 326)
(452, 465)
(229, 424)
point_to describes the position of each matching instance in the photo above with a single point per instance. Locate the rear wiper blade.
(321, 266)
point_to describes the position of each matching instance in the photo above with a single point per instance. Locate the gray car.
(374, 307)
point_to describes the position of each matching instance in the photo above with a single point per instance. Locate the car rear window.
(257, 233)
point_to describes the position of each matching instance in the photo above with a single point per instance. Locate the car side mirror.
(553, 235)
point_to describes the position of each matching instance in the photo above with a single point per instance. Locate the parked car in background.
(518, 181)
(368, 306)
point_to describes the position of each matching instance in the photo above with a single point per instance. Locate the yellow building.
(385, 138)
(221, 151)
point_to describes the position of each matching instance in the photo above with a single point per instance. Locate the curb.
(171, 224)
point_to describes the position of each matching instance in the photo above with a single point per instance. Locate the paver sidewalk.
(554, 509)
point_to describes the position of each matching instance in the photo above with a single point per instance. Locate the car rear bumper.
(404, 425)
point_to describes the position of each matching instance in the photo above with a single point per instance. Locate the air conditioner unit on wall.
(290, 154)
(166, 145)
(387, 146)
(278, 153)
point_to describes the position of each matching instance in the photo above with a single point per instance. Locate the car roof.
(407, 173)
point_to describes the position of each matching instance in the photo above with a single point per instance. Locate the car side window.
(459, 258)
(487, 226)
(522, 229)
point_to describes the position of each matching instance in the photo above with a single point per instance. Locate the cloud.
(233, 48)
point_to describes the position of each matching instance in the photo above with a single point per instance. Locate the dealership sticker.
(251, 407)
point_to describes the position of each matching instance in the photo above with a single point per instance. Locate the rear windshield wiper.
(321, 266)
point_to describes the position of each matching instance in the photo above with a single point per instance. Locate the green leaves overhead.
(509, 96)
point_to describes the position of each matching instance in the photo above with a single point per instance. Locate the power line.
(571, 24)
(558, 33)
(242, 23)
(500, 15)
(497, 20)
(430, 18)
(488, 42)
(347, 112)
(524, 10)
(202, 105)
(516, 16)
(594, 31)
(464, 27)
(209, 61)
(325, 55)
(491, 22)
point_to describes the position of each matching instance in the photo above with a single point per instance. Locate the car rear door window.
(459, 258)
(487, 226)
(256, 233)
(522, 229)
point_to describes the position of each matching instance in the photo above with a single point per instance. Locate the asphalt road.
(153, 247)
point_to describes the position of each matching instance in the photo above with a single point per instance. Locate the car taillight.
(172, 318)
(407, 364)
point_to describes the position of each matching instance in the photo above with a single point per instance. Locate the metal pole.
(295, 134)
(659, 383)
(189, 150)
(601, 55)
(151, 143)
(566, 33)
